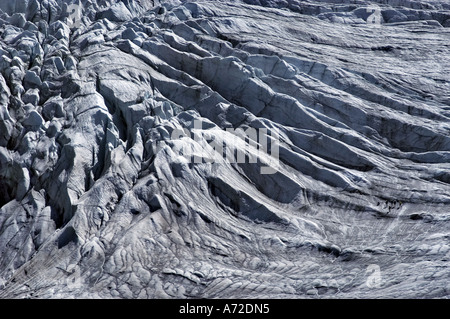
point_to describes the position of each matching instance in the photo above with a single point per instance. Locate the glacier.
(104, 104)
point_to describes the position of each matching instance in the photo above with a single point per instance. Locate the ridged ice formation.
(97, 201)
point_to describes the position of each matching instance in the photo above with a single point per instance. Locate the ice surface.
(106, 107)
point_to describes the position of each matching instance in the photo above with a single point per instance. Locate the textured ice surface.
(97, 201)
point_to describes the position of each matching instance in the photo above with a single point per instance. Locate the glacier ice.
(112, 114)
